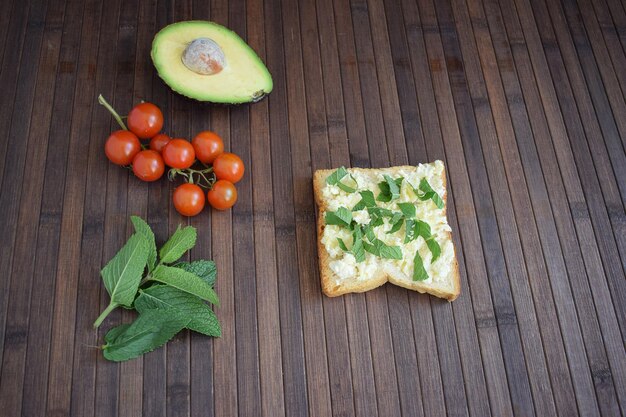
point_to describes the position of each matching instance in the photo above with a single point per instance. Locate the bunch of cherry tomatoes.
(215, 170)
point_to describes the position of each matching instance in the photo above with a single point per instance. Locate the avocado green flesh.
(244, 79)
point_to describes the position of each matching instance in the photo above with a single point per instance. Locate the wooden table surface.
(523, 99)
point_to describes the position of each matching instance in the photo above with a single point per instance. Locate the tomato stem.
(111, 110)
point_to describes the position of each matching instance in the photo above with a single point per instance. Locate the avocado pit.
(204, 56)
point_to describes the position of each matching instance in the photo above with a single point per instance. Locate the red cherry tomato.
(158, 142)
(121, 147)
(178, 153)
(148, 165)
(223, 195)
(188, 199)
(208, 146)
(145, 120)
(228, 166)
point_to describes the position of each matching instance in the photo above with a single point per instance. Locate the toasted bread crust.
(333, 288)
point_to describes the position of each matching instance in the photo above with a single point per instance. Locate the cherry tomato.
(223, 195)
(158, 142)
(178, 153)
(228, 166)
(188, 199)
(148, 165)
(145, 120)
(121, 147)
(207, 146)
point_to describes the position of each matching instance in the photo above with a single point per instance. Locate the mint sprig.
(168, 298)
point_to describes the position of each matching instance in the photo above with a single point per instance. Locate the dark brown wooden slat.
(618, 12)
(564, 225)
(294, 381)
(10, 188)
(468, 349)
(573, 188)
(89, 284)
(602, 20)
(270, 365)
(473, 113)
(53, 225)
(6, 11)
(598, 219)
(19, 276)
(570, 331)
(476, 274)
(614, 150)
(69, 257)
(107, 401)
(574, 98)
(498, 146)
(248, 378)
(604, 90)
(365, 401)
(16, 23)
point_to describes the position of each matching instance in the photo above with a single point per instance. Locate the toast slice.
(343, 270)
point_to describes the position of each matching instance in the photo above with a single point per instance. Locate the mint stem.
(111, 110)
(104, 314)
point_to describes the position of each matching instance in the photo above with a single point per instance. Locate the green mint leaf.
(379, 212)
(112, 334)
(347, 188)
(367, 200)
(341, 217)
(336, 179)
(336, 176)
(149, 331)
(123, 273)
(185, 281)
(434, 247)
(142, 228)
(422, 229)
(408, 209)
(419, 273)
(381, 249)
(415, 228)
(203, 319)
(389, 189)
(426, 192)
(410, 231)
(396, 222)
(181, 241)
(369, 233)
(204, 269)
(357, 245)
(358, 250)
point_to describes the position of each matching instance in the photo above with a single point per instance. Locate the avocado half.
(218, 67)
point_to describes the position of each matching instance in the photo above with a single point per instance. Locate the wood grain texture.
(525, 102)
